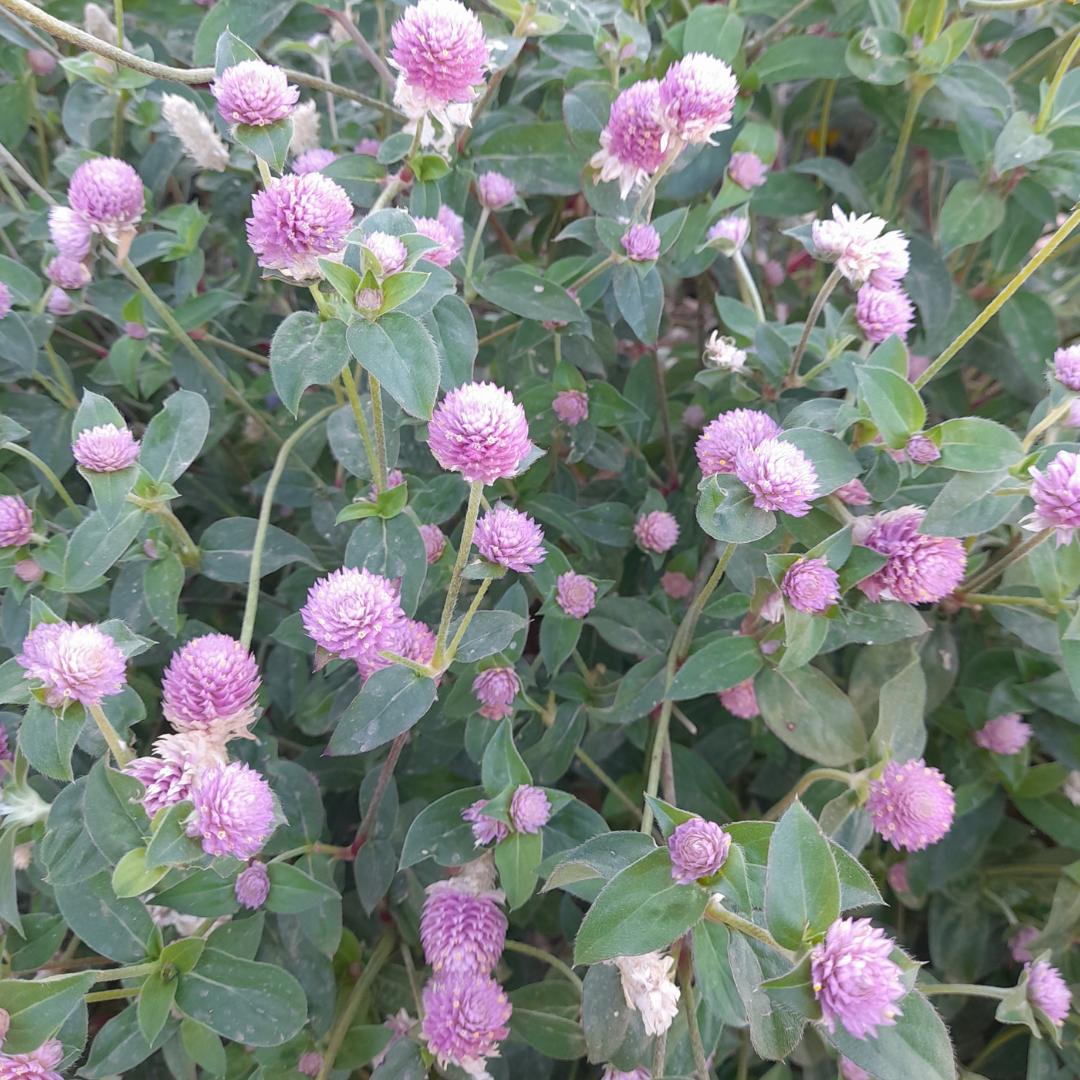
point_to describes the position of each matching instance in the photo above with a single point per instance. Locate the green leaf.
(47, 738)
(895, 405)
(972, 444)
(175, 435)
(9, 896)
(601, 857)
(1018, 144)
(292, 891)
(833, 462)
(120, 929)
(502, 765)
(155, 1001)
(712, 971)
(488, 633)
(546, 1016)
(518, 861)
(971, 213)
(719, 665)
(114, 816)
(96, 545)
(230, 51)
(399, 352)
(227, 546)
(39, 1007)
(306, 351)
(715, 30)
(877, 55)
(269, 141)
(726, 511)
(793, 991)
(203, 1047)
(171, 845)
(804, 635)
(537, 157)
(203, 892)
(947, 47)
(526, 293)
(163, 581)
(389, 703)
(796, 58)
(438, 831)
(640, 300)
(774, 1032)
(131, 877)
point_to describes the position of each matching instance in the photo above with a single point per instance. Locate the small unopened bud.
(150, 549)
(369, 300)
(27, 570)
(135, 330)
(41, 62)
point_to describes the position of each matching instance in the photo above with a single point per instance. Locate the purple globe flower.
(168, 773)
(310, 1063)
(449, 247)
(465, 1019)
(440, 49)
(254, 93)
(1004, 734)
(454, 223)
(67, 273)
(641, 243)
(656, 531)
(105, 449)
(676, 584)
(893, 260)
(417, 642)
(211, 685)
(854, 981)
(59, 303)
(369, 146)
(922, 450)
(5, 301)
(571, 406)
(252, 886)
(70, 232)
(921, 569)
(747, 170)
(495, 190)
(853, 493)
(697, 97)
(1056, 494)
(897, 877)
(510, 538)
(434, 543)
(1048, 992)
(1067, 366)
(633, 140)
(730, 231)
(741, 700)
(486, 830)
(495, 688)
(461, 932)
(390, 252)
(16, 522)
(28, 570)
(1020, 941)
(136, 330)
(881, 313)
(313, 161)
(530, 808)
(728, 435)
(811, 586)
(575, 594)
(40, 62)
(779, 476)
(39, 1064)
(478, 430)
(698, 849)
(911, 805)
(234, 811)
(73, 663)
(108, 195)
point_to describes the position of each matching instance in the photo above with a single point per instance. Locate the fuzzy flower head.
(70, 232)
(252, 886)
(495, 688)
(108, 195)
(697, 97)
(478, 430)
(105, 449)
(656, 531)
(855, 982)
(571, 406)
(893, 260)
(449, 247)
(417, 642)
(858, 248)
(461, 932)
(485, 830)
(369, 147)
(454, 223)
(465, 1019)
(67, 273)
(1067, 366)
(921, 569)
(168, 773)
(310, 1063)
(575, 594)
(1048, 992)
(897, 877)
(881, 313)
(641, 243)
(314, 160)
(698, 849)
(1020, 942)
(853, 493)
(922, 450)
(729, 435)
(440, 49)
(254, 93)
(39, 1064)
(495, 190)
(211, 685)
(510, 538)
(73, 663)
(729, 233)
(811, 586)
(16, 522)
(911, 805)
(676, 585)
(234, 811)
(747, 170)
(390, 252)
(40, 62)
(434, 542)
(741, 700)
(195, 133)
(633, 140)
(779, 476)
(649, 988)
(1056, 494)
(530, 809)
(722, 353)
(59, 303)
(1004, 734)
(694, 416)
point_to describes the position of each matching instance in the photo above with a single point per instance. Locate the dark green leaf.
(389, 703)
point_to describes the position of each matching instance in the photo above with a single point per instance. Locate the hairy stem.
(54, 480)
(481, 224)
(747, 287)
(983, 578)
(386, 773)
(353, 396)
(907, 126)
(964, 990)
(1055, 84)
(375, 390)
(718, 914)
(119, 751)
(366, 51)
(811, 321)
(689, 1002)
(455, 642)
(804, 784)
(472, 511)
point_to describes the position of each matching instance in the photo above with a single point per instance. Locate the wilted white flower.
(722, 352)
(650, 988)
(196, 133)
(305, 128)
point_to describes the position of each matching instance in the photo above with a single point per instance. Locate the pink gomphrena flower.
(893, 260)
(252, 886)
(297, 219)
(368, 301)
(1056, 494)
(850, 1071)
(741, 700)
(388, 250)
(369, 147)
(648, 985)
(434, 543)
(853, 493)
(698, 849)
(854, 980)
(40, 62)
(355, 615)
(168, 773)
(59, 303)
(858, 248)
(747, 170)
(454, 223)
(310, 1063)
(313, 161)
(485, 830)
(195, 133)
(234, 811)
(136, 331)
(656, 531)
(641, 243)
(722, 353)
(911, 805)
(254, 93)
(478, 430)
(400, 1024)
(465, 1018)
(611, 1073)
(441, 52)
(1004, 734)
(575, 594)
(27, 570)
(417, 642)
(16, 522)
(5, 301)
(448, 246)
(461, 930)
(676, 584)
(105, 449)
(1047, 991)
(73, 663)
(495, 688)
(633, 140)
(571, 406)
(693, 417)
(811, 586)
(897, 877)
(881, 313)
(1067, 366)
(510, 538)
(394, 478)
(70, 232)
(728, 435)
(779, 476)
(108, 195)
(729, 233)
(211, 685)
(67, 273)
(495, 190)
(530, 809)
(39, 1064)
(697, 97)
(921, 569)
(922, 449)
(774, 272)
(1019, 944)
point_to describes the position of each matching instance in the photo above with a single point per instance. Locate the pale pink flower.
(67, 273)
(747, 170)
(728, 435)
(881, 313)
(254, 93)
(911, 805)
(722, 352)
(698, 848)
(108, 195)
(465, 1019)
(105, 449)
(676, 584)
(656, 531)
(314, 160)
(495, 190)
(571, 406)
(510, 538)
(434, 542)
(811, 585)
(73, 663)
(485, 830)
(1019, 944)
(729, 233)
(530, 809)
(1067, 366)
(234, 811)
(1048, 991)
(633, 140)
(697, 97)
(741, 700)
(440, 49)
(1004, 734)
(495, 688)
(449, 247)
(1056, 494)
(16, 521)
(211, 685)
(779, 476)
(641, 243)
(921, 569)
(853, 493)
(70, 232)
(575, 593)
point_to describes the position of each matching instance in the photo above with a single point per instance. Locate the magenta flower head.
(434, 543)
(921, 569)
(1048, 992)
(728, 435)
(369, 146)
(354, 614)
(390, 252)
(698, 849)
(168, 773)
(747, 170)
(656, 531)
(779, 476)
(211, 685)
(254, 93)
(1067, 367)
(854, 981)
(449, 247)
(881, 313)
(252, 886)
(39, 1064)
(5, 301)
(1019, 944)
(495, 190)
(495, 688)
(729, 232)
(465, 1018)
(27, 570)
(741, 700)
(105, 448)
(314, 160)
(922, 450)
(16, 522)
(676, 584)
(571, 406)
(853, 493)
(632, 143)
(697, 97)
(440, 49)
(234, 811)
(417, 642)
(67, 273)
(297, 219)
(478, 430)
(108, 195)
(641, 243)
(1056, 494)
(454, 223)
(575, 594)
(811, 586)
(70, 232)
(530, 809)
(1004, 734)
(73, 663)
(510, 538)
(485, 830)
(310, 1063)
(461, 932)
(911, 805)
(897, 877)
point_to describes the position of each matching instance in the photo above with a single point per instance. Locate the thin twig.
(361, 42)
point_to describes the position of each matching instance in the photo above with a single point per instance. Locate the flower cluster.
(911, 805)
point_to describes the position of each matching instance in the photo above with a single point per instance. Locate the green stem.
(452, 648)
(13, 163)
(481, 224)
(54, 480)
(826, 110)
(476, 489)
(313, 849)
(540, 954)
(1055, 84)
(1056, 414)
(189, 550)
(965, 990)
(375, 390)
(747, 288)
(834, 353)
(811, 321)
(509, 328)
(935, 20)
(393, 186)
(608, 781)
(718, 914)
(119, 751)
(1009, 601)
(132, 971)
(983, 578)
(907, 126)
(12, 193)
(994, 1045)
(686, 981)
(781, 24)
(70, 401)
(112, 995)
(360, 419)
(588, 276)
(804, 784)
(1034, 61)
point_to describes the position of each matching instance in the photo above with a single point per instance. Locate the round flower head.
(571, 406)
(1048, 992)
(495, 688)
(254, 93)
(529, 809)
(729, 233)
(922, 450)
(656, 531)
(136, 330)
(449, 247)
(16, 522)
(747, 170)
(1056, 494)
(390, 252)
(881, 313)
(59, 303)
(417, 642)
(911, 805)
(853, 243)
(297, 219)
(105, 448)
(252, 886)
(195, 132)
(465, 1018)
(893, 260)
(632, 143)
(310, 1063)
(854, 981)
(641, 243)
(27, 570)
(460, 931)
(779, 476)
(5, 301)
(40, 62)
(313, 161)
(108, 195)
(485, 830)
(454, 223)
(495, 190)
(1004, 734)
(168, 773)
(354, 614)
(73, 663)
(368, 300)
(234, 811)
(811, 586)
(67, 273)
(722, 352)
(740, 700)
(394, 478)
(440, 49)
(1067, 367)
(694, 416)
(510, 538)
(575, 593)
(369, 147)
(1019, 944)
(649, 988)
(210, 685)
(897, 876)
(697, 97)
(39, 1064)
(728, 435)
(434, 542)
(478, 430)
(676, 584)
(853, 493)
(70, 232)
(305, 127)
(698, 849)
